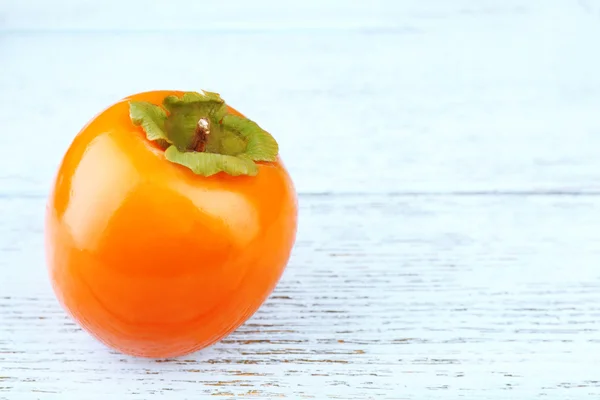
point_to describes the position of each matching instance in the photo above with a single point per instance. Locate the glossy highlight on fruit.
(169, 223)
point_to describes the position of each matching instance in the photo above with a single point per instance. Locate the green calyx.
(197, 131)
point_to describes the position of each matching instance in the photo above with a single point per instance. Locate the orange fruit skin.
(152, 259)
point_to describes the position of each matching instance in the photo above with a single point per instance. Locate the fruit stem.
(201, 135)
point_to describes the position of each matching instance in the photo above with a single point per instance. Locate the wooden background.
(447, 159)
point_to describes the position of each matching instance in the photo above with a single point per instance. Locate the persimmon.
(170, 221)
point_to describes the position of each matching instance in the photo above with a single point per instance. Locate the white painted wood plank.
(372, 97)
(405, 297)
(387, 296)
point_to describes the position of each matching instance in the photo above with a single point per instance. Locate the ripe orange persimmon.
(170, 221)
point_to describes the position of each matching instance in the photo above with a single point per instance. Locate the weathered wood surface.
(446, 156)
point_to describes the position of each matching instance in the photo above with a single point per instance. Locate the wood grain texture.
(385, 297)
(431, 95)
(446, 157)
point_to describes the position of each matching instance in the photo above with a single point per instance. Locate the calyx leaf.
(152, 119)
(208, 164)
(260, 145)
